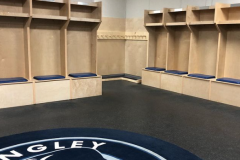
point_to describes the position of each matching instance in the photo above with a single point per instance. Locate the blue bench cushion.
(203, 76)
(129, 76)
(229, 80)
(79, 75)
(176, 72)
(42, 78)
(13, 80)
(155, 69)
(113, 76)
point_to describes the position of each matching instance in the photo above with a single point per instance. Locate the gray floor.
(208, 129)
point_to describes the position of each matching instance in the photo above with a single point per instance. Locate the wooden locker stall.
(82, 49)
(16, 88)
(177, 58)
(226, 88)
(47, 44)
(176, 17)
(157, 48)
(203, 52)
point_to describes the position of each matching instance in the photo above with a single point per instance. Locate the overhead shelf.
(64, 18)
(155, 12)
(177, 10)
(85, 19)
(203, 8)
(84, 4)
(154, 24)
(202, 23)
(52, 1)
(8, 14)
(230, 22)
(176, 24)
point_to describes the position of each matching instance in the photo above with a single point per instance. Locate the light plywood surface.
(113, 24)
(178, 49)
(13, 6)
(225, 93)
(16, 95)
(171, 82)
(46, 57)
(152, 79)
(46, 8)
(161, 48)
(12, 53)
(86, 87)
(111, 57)
(232, 64)
(79, 47)
(51, 91)
(196, 87)
(135, 57)
(204, 49)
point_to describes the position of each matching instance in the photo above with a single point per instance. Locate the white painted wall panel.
(114, 8)
(135, 8)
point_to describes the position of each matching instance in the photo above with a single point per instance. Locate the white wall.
(114, 8)
(135, 8)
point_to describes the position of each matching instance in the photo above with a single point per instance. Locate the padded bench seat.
(155, 69)
(122, 75)
(203, 76)
(176, 72)
(113, 76)
(81, 75)
(13, 80)
(129, 76)
(49, 77)
(229, 80)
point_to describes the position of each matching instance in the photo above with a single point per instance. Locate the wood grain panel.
(88, 87)
(16, 95)
(52, 91)
(152, 79)
(135, 57)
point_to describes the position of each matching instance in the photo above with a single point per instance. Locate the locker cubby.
(14, 58)
(204, 50)
(47, 47)
(228, 13)
(229, 65)
(176, 17)
(15, 8)
(202, 15)
(81, 47)
(85, 12)
(154, 18)
(44, 9)
(178, 48)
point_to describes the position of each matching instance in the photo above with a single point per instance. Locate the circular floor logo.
(77, 148)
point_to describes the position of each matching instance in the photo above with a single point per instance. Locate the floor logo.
(77, 148)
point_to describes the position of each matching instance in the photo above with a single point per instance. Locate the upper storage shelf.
(228, 13)
(14, 8)
(85, 12)
(202, 15)
(176, 17)
(45, 9)
(153, 18)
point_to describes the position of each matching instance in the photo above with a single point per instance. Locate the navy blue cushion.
(176, 72)
(229, 80)
(42, 78)
(13, 80)
(155, 69)
(113, 76)
(129, 76)
(79, 75)
(203, 76)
